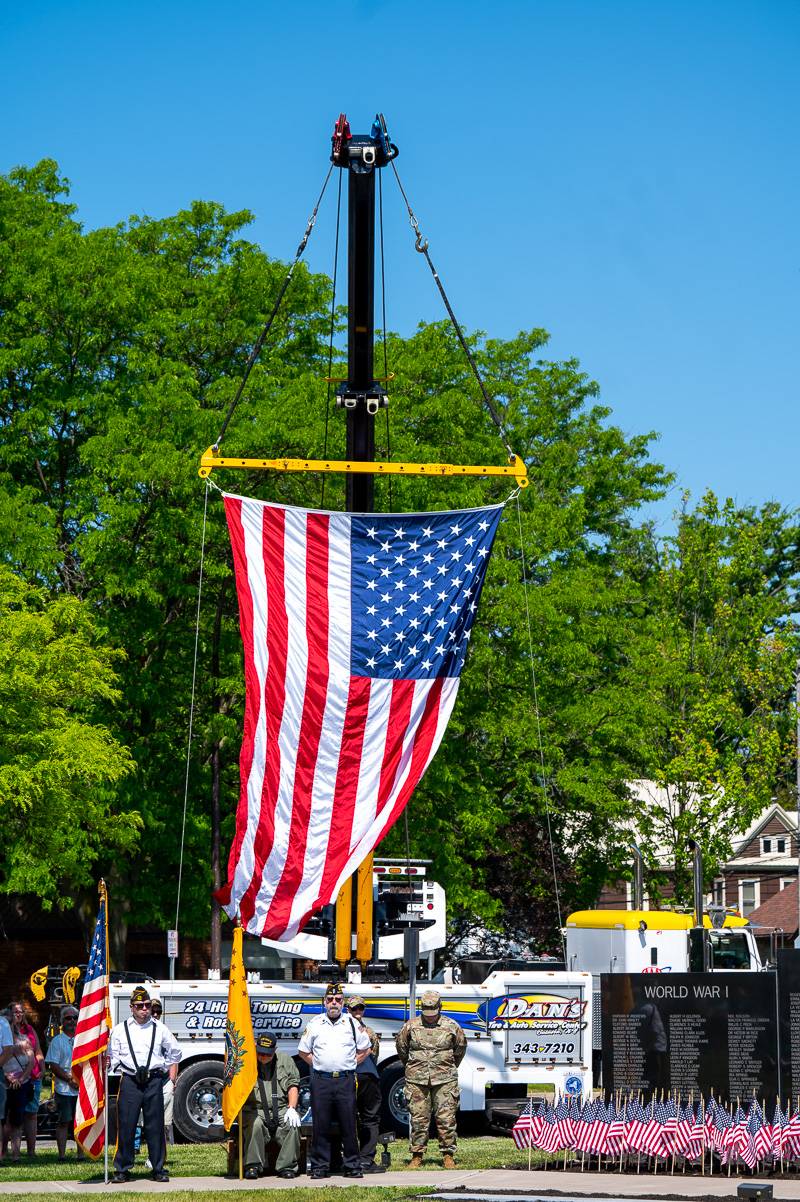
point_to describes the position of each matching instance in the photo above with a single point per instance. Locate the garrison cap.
(355, 1001)
(430, 1000)
(333, 987)
(140, 994)
(266, 1042)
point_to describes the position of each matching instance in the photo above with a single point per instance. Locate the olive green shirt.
(287, 1076)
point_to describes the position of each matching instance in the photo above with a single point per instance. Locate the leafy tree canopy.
(120, 350)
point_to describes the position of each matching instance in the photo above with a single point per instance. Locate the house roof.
(780, 911)
(788, 817)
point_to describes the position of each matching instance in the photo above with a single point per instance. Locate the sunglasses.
(335, 997)
(142, 1005)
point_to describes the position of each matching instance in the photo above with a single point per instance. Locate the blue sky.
(624, 174)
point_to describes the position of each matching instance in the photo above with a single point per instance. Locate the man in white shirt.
(333, 1045)
(59, 1059)
(142, 1051)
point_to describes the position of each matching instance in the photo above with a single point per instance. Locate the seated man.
(271, 1112)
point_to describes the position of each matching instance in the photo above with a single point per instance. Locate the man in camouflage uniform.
(431, 1048)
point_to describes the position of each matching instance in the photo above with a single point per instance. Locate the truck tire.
(198, 1102)
(394, 1111)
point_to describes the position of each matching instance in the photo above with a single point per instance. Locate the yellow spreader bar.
(515, 468)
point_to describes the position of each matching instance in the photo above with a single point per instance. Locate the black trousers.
(368, 1103)
(148, 1100)
(334, 1096)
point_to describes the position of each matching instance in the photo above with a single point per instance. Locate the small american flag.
(522, 1130)
(616, 1129)
(791, 1135)
(719, 1125)
(355, 629)
(91, 1041)
(635, 1122)
(652, 1137)
(761, 1131)
(780, 1125)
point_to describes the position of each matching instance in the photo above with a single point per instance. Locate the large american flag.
(91, 1041)
(355, 629)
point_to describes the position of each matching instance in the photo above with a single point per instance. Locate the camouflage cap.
(140, 994)
(354, 1002)
(69, 1012)
(430, 1000)
(266, 1042)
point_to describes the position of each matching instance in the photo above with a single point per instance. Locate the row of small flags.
(750, 1133)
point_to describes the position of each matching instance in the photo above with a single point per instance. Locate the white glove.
(291, 1118)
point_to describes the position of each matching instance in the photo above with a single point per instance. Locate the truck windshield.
(730, 949)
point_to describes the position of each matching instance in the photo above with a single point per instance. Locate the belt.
(153, 1072)
(345, 1072)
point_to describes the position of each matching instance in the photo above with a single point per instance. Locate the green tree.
(721, 648)
(60, 766)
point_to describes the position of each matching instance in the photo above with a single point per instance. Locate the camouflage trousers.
(441, 1101)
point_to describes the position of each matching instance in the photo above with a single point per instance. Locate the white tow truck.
(521, 1029)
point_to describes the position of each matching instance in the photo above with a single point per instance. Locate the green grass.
(323, 1194)
(208, 1160)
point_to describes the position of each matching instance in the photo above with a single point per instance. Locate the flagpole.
(103, 891)
(105, 1129)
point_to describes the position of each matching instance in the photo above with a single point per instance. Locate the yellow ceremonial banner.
(241, 1069)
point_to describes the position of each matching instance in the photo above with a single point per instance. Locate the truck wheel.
(198, 1102)
(394, 1111)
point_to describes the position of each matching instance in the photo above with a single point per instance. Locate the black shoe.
(159, 1175)
(372, 1167)
(121, 1177)
(318, 1174)
(287, 1173)
(251, 1172)
(352, 1173)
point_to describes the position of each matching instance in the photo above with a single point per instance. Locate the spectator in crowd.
(59, 1060)
(6, 1052)
(17, 1069)
(23, 1029)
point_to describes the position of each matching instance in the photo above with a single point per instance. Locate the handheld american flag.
(355, 628)
(91, 1041)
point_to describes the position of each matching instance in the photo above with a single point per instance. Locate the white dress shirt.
(333, 1044)
(166, 1049)
(60, 1053)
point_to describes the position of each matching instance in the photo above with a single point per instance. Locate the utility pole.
(797, 790)
(361, 397)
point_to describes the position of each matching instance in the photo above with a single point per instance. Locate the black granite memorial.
(789, 1021)
(689, 1033)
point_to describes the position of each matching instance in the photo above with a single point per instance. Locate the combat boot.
(416, 1161)
(448, 1161)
